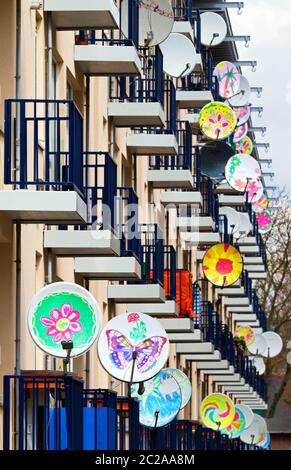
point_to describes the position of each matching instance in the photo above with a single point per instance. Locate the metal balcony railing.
(126, 222)
(170, 270)
(246, 283)
(223, 229)
(148, 89)
(182, 10)
(210, 206)
(36, 154)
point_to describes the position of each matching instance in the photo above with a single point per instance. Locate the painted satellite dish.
(240, 132)
(240, 170)
(265, 221)
(228, 78)
(244, 145)
(222, 264)
(237, 426)
(242, 114)
(217, 121)
(183, 382)
(242, 96)
(217, 411)
(274, 344)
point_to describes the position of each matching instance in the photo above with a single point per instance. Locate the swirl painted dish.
(217, 411)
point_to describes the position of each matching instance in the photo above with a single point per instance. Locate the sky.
(268, 22)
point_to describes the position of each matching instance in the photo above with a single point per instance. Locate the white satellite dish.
(245, 226)
(242, 96)
(213, 29)
(274, 344)
(248, 414)
(258, 346)
(179, 54)
(156, 21)
(255, 432)
(259, 364)
(233, 220)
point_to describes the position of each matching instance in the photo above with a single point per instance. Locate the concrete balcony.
(224, 378)
(240, 309)
(185, 28)
(87, 14)
(200, 238)
(152, 144)
(228, 370)
(236, 301)
(162, 179)
(181, 330)
(257, 275)
(248, 249)
(168, 309)
(104, 60)
(108, 268)
(73, 243)
(250, 261)
(195, 348)
(136, 114)
(136, 293)
(231, 291)
(177, 198)
(214, 357)
(43, 206)
(255, 268)
(193, 99)
(208, 366)
(196, 224)
(236, 388)
(231, 200)
(249, 318)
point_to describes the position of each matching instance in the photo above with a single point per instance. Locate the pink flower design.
(63, 323)
(240, 185)
(218, 122)
(132, 317)
(263, 220)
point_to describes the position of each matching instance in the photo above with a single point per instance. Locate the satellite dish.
(244, 145)
(179, 55)
(265, 443)
(260, 205)
(222, 265)
(228, 78)
(258, 346)
(242, 96)
(247, 333)
(254, 191)
(183, 382)
(265, 221)
(256, 432)
(214, 156)
(237, 426)
(240, 132)
(233, 219)
(133, 347)
(60, 313)
(259, 364)
(240, 170)
(242, 114)
(274, 344)
(248, 414)
(213, 29)
(160, 401)
(217, 120)
(245, 226)
(156, 21)
(217, 411)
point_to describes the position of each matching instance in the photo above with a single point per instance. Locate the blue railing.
(199, 81)
(41, 157)
(210, 206)
(197, 30)
(170, 269)
(246, 283)
(152, 254)
(126, 222)
(150, 88)
(182, 10)
(223, 229)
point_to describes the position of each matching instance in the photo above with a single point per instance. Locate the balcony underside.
(86, 14)
(251, 260)
(136, 114)
(43, 206)
(193, 99)
(177, 198)
(236, 388)
(224, 378)
(108, 60)
(178, 325)
(241, 309)
(82, 242)
(231, 291)
(167, 309)
(110, 268)
(250, 318)
(136, 293)
(255, 268)
(181, 338)
(225, 188)
(196, 224)
(249, 249)
(162, 179)
(247, 241)
(152, 144)
(213, 372)
(239, 382)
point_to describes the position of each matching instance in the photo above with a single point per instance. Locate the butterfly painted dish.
(161, 400)
(133, 347)
(217, 121)
(228, 78)
(63, 312)
(217, 411)
(222, 264)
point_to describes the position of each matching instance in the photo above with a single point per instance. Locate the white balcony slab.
(242, 309)
(227, 378)
(196, 224)
(167, 309)
(85, 14)
(255, 268)
(236, 301)
(185, 28)
(181, 338)
(136, 114)
(193, 119)
(262, 275)
(136, 293)
(193, 99)
(152, 144)
(231, 200)
(219, 365)
(197, 238)
(107, 60)
(179, 198)
(215, 356)
(240, 382)
(251, 260)
(225, 188)
(241, 317)
(43, 206)
(178, 325)
(195, 348)
(111, 268)
(248, 249)
(82, 242)
(162, 179)
(236, 388)
(213, 372)
(251, 396)
(231, 291)
(247, 241)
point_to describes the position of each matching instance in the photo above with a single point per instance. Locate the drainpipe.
(87, 282)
